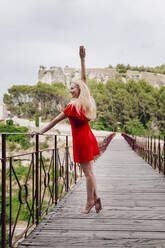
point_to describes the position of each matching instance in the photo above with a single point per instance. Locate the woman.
(80, 111)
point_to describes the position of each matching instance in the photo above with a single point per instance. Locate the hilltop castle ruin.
(57, 74)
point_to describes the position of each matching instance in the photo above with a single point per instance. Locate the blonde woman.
(80, 111)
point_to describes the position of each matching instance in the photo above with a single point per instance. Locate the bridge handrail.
(151, 149)
(60, 171)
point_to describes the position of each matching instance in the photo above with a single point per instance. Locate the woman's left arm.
(57, 119)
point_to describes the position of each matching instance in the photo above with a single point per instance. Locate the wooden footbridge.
(132, 193)
(133, 215)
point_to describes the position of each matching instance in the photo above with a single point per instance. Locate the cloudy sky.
(49, 32)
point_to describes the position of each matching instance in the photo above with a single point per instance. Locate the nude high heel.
(87, 209)
(98, 205)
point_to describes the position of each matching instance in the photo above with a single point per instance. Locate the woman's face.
(74, 90)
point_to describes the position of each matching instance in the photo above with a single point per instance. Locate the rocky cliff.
(57, 74)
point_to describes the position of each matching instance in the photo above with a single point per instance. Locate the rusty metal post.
(67, 165)
(33, 189)
(146, 152)
(133, 143)
(148, 148)
(154, 152)
(53, 186)
(159, 155)
(75, 173)
(10, 214)
(143, 149)
(40, 183)
(56, 169)
(164, 155)
(37, 179)
(151, 151)
(3, 217)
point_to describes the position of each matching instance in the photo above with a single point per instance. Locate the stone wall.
(57, 74)
(157, 80)
(53, 75)
(4, 114)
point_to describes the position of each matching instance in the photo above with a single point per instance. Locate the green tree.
(24, 100)
(161, 110)
(121, 68)
(135, 127)
(37, 119)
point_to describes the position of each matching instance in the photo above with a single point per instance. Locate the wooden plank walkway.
(133, 215)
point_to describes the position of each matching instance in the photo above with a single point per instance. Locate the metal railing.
(106, 142)
(151, 149)
(28, 192)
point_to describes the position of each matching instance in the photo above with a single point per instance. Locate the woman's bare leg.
(91, 186)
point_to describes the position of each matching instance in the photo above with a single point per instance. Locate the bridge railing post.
(148, 149)
(151, 151)
(155, 155)
(3, 214)
(37, 179)
(164, 156)
(134, 144)
(75, 173)
(67, 164)
(159, 155)
(56, 169)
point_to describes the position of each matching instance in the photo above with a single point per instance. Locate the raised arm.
(82, 57)
(57, 119)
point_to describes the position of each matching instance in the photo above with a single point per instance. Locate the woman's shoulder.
(68, 108)
(71, 111)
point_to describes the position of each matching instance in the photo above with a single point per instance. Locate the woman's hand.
(82, 57)
(82, 52)
(57, 119)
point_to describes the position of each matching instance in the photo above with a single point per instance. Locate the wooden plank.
(75, 242)
(99, 235)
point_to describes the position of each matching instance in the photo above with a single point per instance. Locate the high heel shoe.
(87, 209)
(98, 205)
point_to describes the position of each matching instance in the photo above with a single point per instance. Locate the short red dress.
(85, 145)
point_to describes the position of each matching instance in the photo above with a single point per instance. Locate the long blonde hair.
(84, 100)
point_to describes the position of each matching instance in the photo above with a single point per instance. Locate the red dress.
(85, 145)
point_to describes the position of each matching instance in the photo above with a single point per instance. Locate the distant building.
(4, 114)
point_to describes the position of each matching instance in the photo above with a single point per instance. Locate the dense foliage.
(134, 107)
(22, 140)
(25, 100)
(121, 68)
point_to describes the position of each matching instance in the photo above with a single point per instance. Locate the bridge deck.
(133, 215)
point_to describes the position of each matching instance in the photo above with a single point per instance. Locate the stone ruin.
(68, 74)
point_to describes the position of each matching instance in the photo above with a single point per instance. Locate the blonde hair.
(84, 100)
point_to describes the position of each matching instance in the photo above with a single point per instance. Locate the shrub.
(23, 140)
(9, 122)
